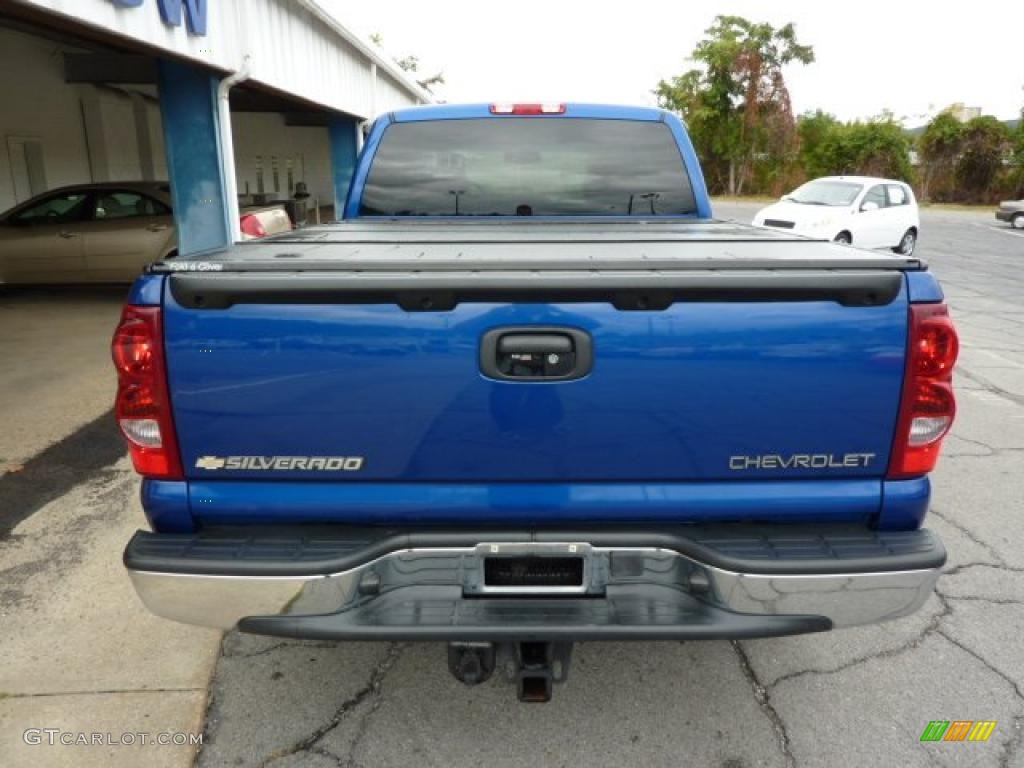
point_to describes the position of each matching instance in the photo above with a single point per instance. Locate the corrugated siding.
(288, 47)
(295, 52)
(390, 95)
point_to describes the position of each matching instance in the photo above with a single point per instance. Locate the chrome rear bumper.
(440, 592)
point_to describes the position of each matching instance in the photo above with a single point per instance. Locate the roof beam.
(307, 119)
(98, 68)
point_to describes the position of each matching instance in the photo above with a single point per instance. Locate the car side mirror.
(870, 205)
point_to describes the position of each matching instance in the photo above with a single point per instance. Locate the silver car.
(102, 233)
(87, 233)
(1011, 211)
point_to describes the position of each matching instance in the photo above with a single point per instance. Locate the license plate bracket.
(530, 568)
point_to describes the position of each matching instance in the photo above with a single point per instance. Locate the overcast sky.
(913, 58)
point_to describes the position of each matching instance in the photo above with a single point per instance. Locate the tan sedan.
(98, 233)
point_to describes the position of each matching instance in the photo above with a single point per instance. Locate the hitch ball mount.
(534, 667)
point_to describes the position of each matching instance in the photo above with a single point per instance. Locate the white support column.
(227, 145)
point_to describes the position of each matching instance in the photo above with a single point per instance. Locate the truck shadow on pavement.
(58, 469)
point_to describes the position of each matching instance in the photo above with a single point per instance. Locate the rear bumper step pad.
(441, 613)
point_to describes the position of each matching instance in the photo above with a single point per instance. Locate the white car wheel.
(907, 244)
(1017, 222)
(843, 237)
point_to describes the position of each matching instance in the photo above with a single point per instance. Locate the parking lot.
(81, 653)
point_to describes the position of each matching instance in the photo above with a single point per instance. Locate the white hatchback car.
(864, 211)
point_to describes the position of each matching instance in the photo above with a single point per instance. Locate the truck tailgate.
(701, 390)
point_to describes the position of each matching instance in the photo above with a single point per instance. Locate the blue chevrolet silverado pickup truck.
(530, 392)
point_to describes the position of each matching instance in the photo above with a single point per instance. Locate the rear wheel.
(844, 237)
(1017, 222)
(907, 243)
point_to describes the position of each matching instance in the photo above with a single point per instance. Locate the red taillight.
(928, 407)
(143, 408)
(528, 109)
(252, 226)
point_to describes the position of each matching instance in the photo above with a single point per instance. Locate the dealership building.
(232, 101)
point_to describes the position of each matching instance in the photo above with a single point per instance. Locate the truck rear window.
(527, 167)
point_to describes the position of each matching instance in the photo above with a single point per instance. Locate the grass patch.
(973, 207)
(744, 199)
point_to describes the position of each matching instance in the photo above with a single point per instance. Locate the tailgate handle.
(532, 343)
(536, 354)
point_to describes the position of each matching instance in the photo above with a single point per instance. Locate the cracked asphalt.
(858, 697)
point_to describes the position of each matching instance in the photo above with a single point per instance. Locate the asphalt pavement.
(856, 697)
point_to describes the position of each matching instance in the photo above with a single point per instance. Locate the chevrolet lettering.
(801, 461)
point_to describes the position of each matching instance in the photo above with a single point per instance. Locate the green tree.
(817, 133)
(939, 146)
(735, 102)
(878, 147)
(987, 147)
(1016, 181)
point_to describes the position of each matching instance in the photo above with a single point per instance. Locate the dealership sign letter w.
(170, 12)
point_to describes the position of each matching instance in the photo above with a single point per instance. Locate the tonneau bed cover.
(635, 265)
(615, 244)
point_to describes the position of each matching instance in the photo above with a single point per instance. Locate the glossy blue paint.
(188, 105)
(573, 111)
(692, 164)
(253, 503)
(904, 504)
(647, 436)
(146, 291)
(672, 395)
(166, 504)
(362, 170)
(342, 132)
(924, 288)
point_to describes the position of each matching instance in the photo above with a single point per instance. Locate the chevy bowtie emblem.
(210, 462)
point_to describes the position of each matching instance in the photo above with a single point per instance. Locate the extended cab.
(529, 392)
